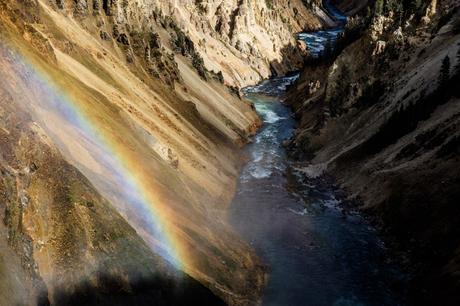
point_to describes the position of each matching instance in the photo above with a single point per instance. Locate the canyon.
(145, 158)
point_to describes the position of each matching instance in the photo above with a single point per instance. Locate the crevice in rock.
(233, 17)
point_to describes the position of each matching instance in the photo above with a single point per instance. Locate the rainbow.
(128, 181)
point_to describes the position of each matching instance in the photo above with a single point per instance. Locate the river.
(316, 252)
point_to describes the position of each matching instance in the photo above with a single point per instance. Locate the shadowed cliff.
(148, 291)
(381, 113)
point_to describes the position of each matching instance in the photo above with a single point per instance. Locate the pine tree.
(456, 77)
(444, 74)
(379, 7)
(342, 88)
(457, 66)
(396, 7)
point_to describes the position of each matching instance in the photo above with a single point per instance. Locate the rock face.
(384, 120)
(61, 242)
(119, 145)
(245, 40)
(351, 7)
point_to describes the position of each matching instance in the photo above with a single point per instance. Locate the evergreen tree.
(396, 7)
(456, 77)
(444, 74)
(379, 7)
(342, 89)
(457, 66)
(411, 6)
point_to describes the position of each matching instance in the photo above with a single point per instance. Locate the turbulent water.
(317, 253)
(318, 41)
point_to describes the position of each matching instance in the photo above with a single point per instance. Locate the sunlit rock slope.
(117, 157)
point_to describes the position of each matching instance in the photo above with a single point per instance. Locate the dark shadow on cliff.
(156, 290)
(292, 60)
(420, 213)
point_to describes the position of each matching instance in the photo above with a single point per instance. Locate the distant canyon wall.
(245, 40)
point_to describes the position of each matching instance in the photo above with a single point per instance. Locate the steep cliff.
(118, 158)
(243, 41)
(247, 40)
(61, 242)
(382, 114)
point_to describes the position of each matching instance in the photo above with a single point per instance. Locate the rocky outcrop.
(383, 118)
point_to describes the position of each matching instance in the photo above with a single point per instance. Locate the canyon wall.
(119, 145)
(351, 7)
(382, 115)
(247, 40)
(244, 41)
(64, 244)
